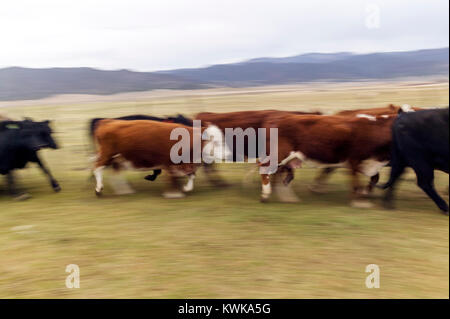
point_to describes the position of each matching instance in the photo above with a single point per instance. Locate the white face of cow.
(215, 148)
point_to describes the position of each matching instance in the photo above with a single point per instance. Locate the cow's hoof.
(173, 195)
(124, 189)
(317, 189)
(444, 212)
(22, 197)
(57, 188)
(264, 199)
(363, 192)
(125, 192)
(290, 200)
(361, 204)
(388, 206)
(151, 178)
(98, 193)
(221, 184)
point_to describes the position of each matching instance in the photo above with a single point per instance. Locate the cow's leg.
(174, 186)
(98, 173)
(266, 187)
(425, 180)
(284, 192)
(289, 176)
(398, 167)
(357, 199)
(373, 181)
(213, 176)
(155, 174)
(189, 187)
(12, 189)
(105, 158)
(119, 184)
(320, 183)
(53, 182)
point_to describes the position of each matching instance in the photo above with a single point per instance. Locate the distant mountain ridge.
(304, 58)
(330, 67)
(24, 83)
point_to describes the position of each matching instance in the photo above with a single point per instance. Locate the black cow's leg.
(13, 190)
(425, 180)
(398, 167)
(373, 181)
(47, 172)
(289, 176)
(153, 176)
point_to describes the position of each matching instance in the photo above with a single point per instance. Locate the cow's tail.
(397, 162)
(91, 148)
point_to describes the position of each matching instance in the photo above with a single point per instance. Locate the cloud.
(154, 35)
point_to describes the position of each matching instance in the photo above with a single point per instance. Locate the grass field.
(217, 243)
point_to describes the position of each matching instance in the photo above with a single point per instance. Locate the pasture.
(217, 243)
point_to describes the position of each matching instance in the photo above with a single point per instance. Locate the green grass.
(219, 243)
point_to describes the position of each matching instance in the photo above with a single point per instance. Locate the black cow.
(180, 119)
(19, 143)
(420, 141)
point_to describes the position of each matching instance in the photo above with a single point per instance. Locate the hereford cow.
(243, 120)
(20, 142)
(148, 145)
(361, 144)
(320, 182)
(180, 119)
(420, 140)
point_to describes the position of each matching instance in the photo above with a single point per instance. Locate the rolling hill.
(24, 83)
(330, 67)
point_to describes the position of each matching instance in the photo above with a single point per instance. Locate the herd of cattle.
(364, 141)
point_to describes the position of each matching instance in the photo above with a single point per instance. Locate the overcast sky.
(149, 35)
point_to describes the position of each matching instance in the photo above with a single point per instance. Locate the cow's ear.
(392, 106)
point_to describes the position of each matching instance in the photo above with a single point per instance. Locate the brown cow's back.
(391, 109)
(242, 119)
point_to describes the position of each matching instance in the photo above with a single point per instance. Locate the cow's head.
(20, 134)
(42, 133)
(215, 148)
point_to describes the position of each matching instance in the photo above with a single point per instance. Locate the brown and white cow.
(243, 120)
(319, 185)
(359, 143)
(148, 145)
